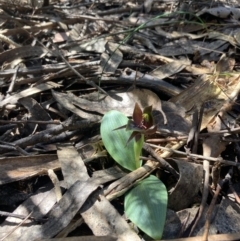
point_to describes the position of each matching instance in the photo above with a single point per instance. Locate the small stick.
(14, 147)
(215, 159)
(56, 184)
(9, 41)
(163, 163)
(29, 121)
(220, 184)
(23, 221)
(11, 86)
(209, 214)
(14, 215)
(77, 73)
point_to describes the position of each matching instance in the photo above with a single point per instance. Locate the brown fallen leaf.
(19, 168)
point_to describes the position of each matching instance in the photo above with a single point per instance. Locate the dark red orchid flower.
(141, 123)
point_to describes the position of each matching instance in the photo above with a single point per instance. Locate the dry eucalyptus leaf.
(13, 99)
(237, 37)
(111, 58)
(40, 203)
(201, 91)
(224, 12)
(225, 64)
(36, 3)
(226, 221)
(213, 145)
(109, 174)
(169, 69)
(104, 219)
(19, 168)
(182, 47)
(95, 45)
(100, 216)
(172, 226)
(225, 36)
(75, 32)
(121, 101)
(191, 47)
(3, 17)
(63, 212)
(132, 76)
(88, 238)
(35, 112)
(145, 41)
(208, 88)
(72, 166)
(60, 37)
(176, 119)
(68, 102)
(125, 102)
(148, 5)
(187, 187)
(187, 217)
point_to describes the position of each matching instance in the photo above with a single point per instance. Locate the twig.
(204, 194)
(11, 86)
(48, 134)
(29, 121)
(56, 184)
(192, 141)
(226, 162)
(209, 213)
(206, 167)
(9, 41)
(196, 136)
(215, 237)
(167, 139)
(237, 198)
(221, 183)
(13, 147)
(23, 221)
(145, 80)
(77, 73)
(14, 215)
(120, 186)
(228, 130)
(233, 130)
(163, 163)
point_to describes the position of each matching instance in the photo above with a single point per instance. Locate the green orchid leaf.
(115, 140)
(146, 206)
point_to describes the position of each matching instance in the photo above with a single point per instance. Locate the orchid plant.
(125, 147)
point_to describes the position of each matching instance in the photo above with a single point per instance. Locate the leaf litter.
(65, 64)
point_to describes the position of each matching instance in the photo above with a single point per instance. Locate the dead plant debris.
(66, 63)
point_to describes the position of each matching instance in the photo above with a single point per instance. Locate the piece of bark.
(62, 213)
(101, 217)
